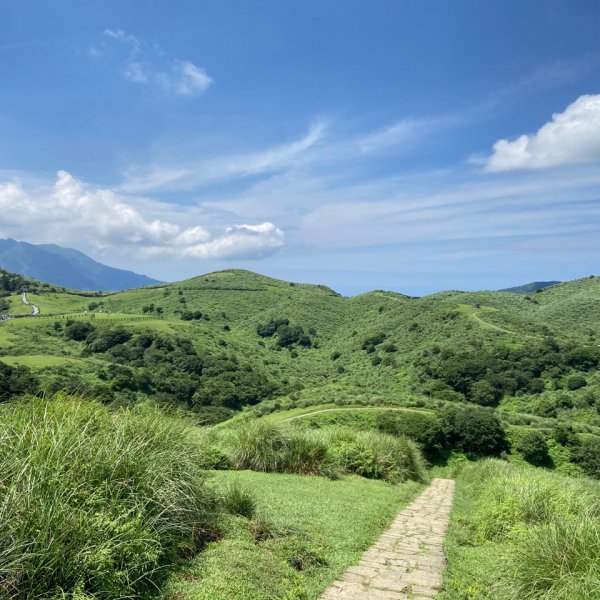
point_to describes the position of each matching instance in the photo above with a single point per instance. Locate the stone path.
(407, 561)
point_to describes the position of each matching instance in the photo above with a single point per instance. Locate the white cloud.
(72, 212)
(571, 137)
(201, 172)
(241, 241)
(406, 131)
(147, 65)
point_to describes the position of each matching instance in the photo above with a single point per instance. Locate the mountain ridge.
(66, 267)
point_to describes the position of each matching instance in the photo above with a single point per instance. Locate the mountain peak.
(66, 267)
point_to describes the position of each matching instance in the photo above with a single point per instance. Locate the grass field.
(335, 521)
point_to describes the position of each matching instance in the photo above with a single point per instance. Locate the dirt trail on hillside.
(353, 408)
(35, 310)
(407, 561)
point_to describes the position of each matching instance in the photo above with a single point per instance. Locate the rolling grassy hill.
(376, 348)
(296, 380)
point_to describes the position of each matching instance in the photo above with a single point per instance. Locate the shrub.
(257, 446)
(576, 382)
(473, 430)
(587, 456)
(532, 446)
(554, 561)
(78, 330)
(515, 498)
(306, 453)
(376, 455)
(421, 427)
(261, 446)
(94, 500)
(16, 381)
(269, 329)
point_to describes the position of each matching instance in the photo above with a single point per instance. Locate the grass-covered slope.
(215, 344)
(517, 532)
(102, 504)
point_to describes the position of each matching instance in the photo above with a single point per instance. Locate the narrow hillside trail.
(407, 561)
(35, 310)
(353, 409)
(496, 328)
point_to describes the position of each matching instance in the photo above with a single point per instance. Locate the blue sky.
(406, 145)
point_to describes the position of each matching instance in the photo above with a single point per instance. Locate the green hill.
(220, 342)
(328, 414)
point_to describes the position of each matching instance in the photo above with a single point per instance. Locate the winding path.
(353, 409)
(35, 310)
(407, 561)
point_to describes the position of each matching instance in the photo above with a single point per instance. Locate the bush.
(261, 446)
(532, 446)
(554, 561)
(587, 456)
(306, 453)
(576, 382)
(257, 446)
(93, 500)
(477, 431)
(375, 455)
(514, 498)
(543, 528)
(78, 330)
(421, 427)
(16, 381)
(269, 329)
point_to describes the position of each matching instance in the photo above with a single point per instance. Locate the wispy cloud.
(571, 137)
(149, 66)
(404, 132)
(190, 174)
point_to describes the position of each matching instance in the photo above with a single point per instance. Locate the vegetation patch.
(520, 532)
(95, 503)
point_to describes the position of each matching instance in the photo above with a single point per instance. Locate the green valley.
(308, 421)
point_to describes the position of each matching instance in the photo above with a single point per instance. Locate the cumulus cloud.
(241, 241)
(571, 137)
(148, 65)
(73, 212)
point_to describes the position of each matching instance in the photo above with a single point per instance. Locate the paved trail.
(407, 561)
(35, 311)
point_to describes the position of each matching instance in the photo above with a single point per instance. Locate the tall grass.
(94, 504)
(329, 451)
(544, 529)
(559, 560)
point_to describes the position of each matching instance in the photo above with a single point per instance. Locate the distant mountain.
(530, 288)
(66, 267)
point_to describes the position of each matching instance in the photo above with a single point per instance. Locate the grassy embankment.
(108, 504)
(520, 532)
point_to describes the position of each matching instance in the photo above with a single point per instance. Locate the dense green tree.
(476, 431)
(576, 382)
(587, 456)
(533, 447)
(421, 427)
(78, 330)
